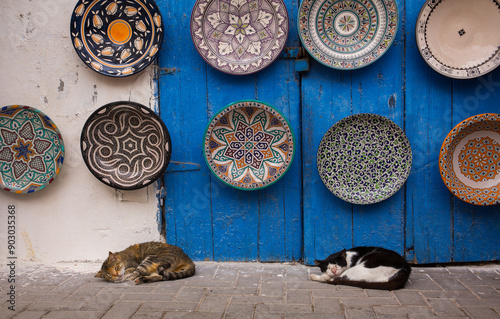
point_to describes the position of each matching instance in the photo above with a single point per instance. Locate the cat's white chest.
(361, 273)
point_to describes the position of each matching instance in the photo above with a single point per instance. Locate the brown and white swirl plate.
(126, 145)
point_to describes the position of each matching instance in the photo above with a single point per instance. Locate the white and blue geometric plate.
(249, 145)
(364, 158)
(31, 149)
(117, 38)
(347, 34)
(125, 145)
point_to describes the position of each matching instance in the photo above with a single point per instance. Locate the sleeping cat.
(364, 267)
(147, 262)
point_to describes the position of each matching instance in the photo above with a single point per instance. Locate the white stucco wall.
(76, 217)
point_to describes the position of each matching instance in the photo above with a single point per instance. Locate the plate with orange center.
(469, 160)
(117, 37)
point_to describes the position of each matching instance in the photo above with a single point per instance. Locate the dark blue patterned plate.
(125, 145)
(364, 158)
(117, 37)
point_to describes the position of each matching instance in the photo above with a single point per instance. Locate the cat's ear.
(343, 253)
(111, 256)
(99, 274)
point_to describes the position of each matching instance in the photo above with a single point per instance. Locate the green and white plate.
(31, 149)
(249, 145)
(364, 158)
(347, 34)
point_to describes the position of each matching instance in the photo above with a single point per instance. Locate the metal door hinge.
(161, 195)
(301, 63)
(167, 71)
(174, 167)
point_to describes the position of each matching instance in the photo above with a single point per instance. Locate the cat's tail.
(397, 281)
(183, 271)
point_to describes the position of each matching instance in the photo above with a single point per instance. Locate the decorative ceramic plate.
(126, 145)
(459, 38)
(117, 37)
(347, 34)
(469, 160)
(239, 36)
(364, 158)
(31, 149)
(249, 145)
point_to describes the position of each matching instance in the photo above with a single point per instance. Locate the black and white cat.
(364, 267)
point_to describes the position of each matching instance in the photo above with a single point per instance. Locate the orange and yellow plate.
(470, 160)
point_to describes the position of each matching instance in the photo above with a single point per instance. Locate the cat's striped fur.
(147, 262)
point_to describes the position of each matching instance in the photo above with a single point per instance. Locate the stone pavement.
(247, 290)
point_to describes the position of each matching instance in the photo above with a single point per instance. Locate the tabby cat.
(364, 267)
(147, 262)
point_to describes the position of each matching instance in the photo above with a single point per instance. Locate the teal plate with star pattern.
(31, 149)
(249, 145)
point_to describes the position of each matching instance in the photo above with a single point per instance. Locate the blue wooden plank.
(280, 209)
(326, 217)
(236, 212)
(476, 229)
(280, 229)
(428, 202)
(326, 99)
(188, 215)
(380, 91)
(252, 225)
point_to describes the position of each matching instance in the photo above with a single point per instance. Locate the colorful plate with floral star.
(31, 149)
(364, 158)
(239, 36)
(125, 145)
(249, 145)
(454, 40)
(117, 37)
(347, 34)
(469, 160)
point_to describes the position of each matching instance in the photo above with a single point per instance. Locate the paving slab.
(248, 290)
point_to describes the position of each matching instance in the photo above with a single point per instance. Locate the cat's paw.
(131, 276)
(315, 278)
(321, 278)
(138, 281)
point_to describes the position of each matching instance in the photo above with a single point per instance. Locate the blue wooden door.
(204, 216)
(297, 218)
